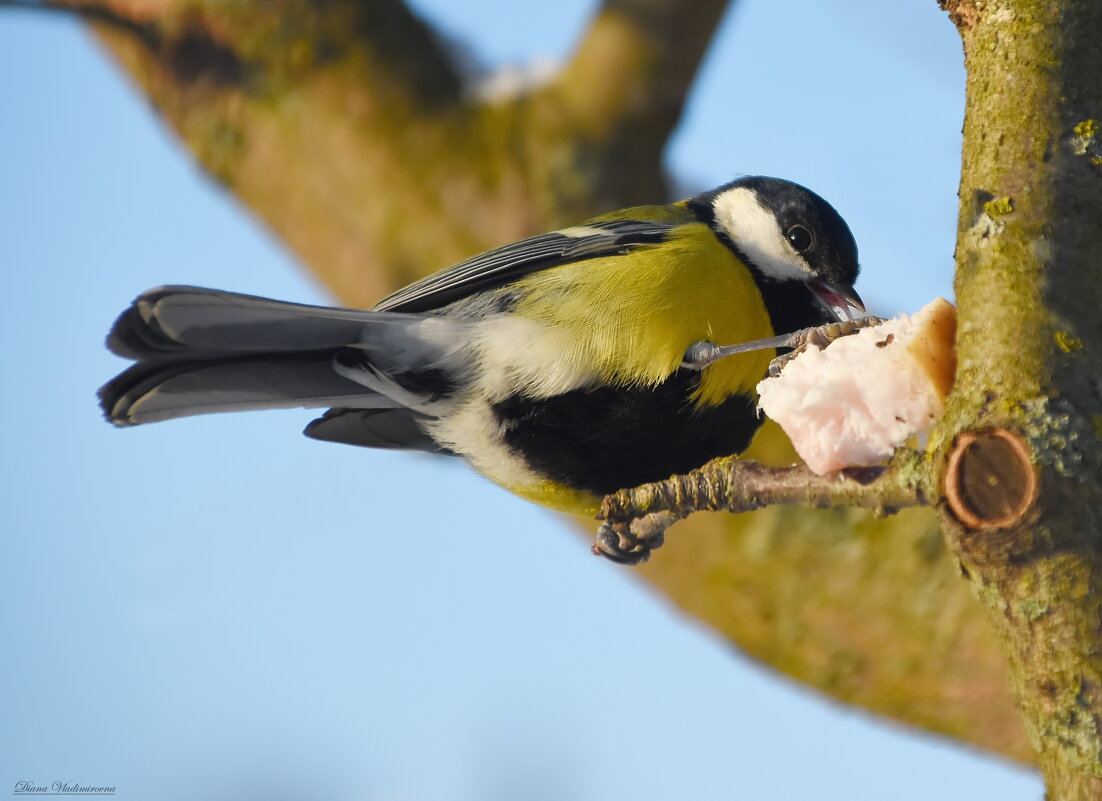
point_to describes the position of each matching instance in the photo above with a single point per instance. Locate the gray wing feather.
(501, 266)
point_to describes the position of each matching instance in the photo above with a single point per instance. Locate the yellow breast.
(631, 319)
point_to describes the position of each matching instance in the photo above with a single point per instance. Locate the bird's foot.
(631, 543)
(820, 337)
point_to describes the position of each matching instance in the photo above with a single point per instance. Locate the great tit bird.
(561, 366)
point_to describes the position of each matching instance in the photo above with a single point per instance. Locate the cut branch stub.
(990, 481)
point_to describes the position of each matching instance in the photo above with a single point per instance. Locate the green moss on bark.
(1028, 288)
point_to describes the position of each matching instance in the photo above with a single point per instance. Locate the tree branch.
(624, 88)
(637, 518)
(646, 54)
(91, 12)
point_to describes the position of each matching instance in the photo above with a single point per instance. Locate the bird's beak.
(838, 300)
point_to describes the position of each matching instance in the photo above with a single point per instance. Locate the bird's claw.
(631, 543)
(617, 543)
(820, 337)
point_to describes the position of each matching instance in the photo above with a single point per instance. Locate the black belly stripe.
(605, 439)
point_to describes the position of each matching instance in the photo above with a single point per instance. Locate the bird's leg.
(700, 354)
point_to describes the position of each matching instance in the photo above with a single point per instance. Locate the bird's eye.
(799, 237)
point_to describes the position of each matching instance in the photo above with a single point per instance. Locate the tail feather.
(185, 321)
(152, 392)
(374, 428)
(199, 351)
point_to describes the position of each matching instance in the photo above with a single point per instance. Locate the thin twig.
(637, 518)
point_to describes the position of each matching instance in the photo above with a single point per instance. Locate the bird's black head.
(785, 232)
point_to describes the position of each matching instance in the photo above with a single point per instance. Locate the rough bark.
(376, 167)
(346, 127)
(1029, 286)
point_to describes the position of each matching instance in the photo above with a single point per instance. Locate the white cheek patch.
(755, 232)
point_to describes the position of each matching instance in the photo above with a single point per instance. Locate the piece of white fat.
(856, 401)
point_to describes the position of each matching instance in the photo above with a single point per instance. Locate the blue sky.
(221, 609)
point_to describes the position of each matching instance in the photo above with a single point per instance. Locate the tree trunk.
(1029, 288)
